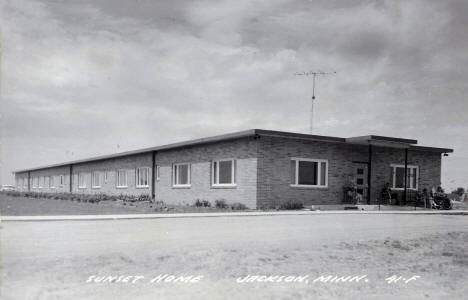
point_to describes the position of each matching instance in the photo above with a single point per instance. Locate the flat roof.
(247, 133)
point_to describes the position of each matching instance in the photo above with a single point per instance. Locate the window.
(35, 182)
(106, 176)
(41, 182)
(158, 171)
(51, 182)
(95, 180)
(121, 179)
(309, 172)
(25, 183)
(224, 172)
(181, 175)
(81, 181)
(62, 181)
(398, 175)
(142, 177)
(19, 182)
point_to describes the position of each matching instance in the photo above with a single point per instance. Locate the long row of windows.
(305, 172)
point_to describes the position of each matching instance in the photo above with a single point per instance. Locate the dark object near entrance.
(441, 201)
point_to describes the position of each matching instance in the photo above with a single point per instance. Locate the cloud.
(90, 75)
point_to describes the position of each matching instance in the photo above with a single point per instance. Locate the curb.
(211, 215)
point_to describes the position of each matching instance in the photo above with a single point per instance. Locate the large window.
(95, 180)
(181, 175)
(81, 181)
(142, 177)
(51, 182)
(224, 173)
(41, 182)
(35, 182)
(398, 177)
(121, 179)
(309, 172)
(25, 183)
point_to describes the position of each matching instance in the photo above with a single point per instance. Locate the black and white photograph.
(248, 149)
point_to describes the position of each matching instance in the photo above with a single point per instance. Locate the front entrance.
(361, 181)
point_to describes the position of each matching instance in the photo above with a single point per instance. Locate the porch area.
(392, 172)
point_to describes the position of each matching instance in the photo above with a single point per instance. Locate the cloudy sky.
(84, 78)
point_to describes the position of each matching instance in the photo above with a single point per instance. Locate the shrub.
(238, 206)
(202, 203)
(221, 203)
(291, 204)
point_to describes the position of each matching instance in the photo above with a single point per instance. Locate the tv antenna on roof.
(314, 74)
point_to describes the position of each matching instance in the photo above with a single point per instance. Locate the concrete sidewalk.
(230, 214)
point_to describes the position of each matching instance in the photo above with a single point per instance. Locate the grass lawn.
(25, 206)
(53, 260)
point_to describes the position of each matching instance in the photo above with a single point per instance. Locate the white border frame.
(84, 180)
(136, 177)
(233, 173)
(93, 175)
(319, 161)
(158, 173)
(189, 175)
(393, 166)
(117, 177)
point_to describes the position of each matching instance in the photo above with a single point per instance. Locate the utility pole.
(314, 74)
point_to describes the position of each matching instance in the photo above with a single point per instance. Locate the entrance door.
(361, 181)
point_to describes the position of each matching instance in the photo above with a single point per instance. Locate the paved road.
(21, 240)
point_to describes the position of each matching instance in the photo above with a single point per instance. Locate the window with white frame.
(309, 172)
(95, 180)
(121, 179)
(41, 182)
(224, 172)
(51, 182)
(158, 171)
(398, 177)
(181, 175)
(81, 181)
(142, 177)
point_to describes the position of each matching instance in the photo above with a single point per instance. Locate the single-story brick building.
(259, 168)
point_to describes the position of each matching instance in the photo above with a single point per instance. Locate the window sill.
(304, 186)
(402, 189)
(81, 187)
(122, 187)
(96, 187)
(185, 186)
(224, 186)
(142, 186)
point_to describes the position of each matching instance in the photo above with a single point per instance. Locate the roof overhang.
(382, 141)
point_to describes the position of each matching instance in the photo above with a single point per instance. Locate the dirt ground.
(53, 260)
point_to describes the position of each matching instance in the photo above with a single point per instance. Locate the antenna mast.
(314, 74)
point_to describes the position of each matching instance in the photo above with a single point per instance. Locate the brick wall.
(111, 166)
(274, 170)
(429, 164)
(55, 173)
(200, 157)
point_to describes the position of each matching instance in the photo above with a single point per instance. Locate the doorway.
(361, 180)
